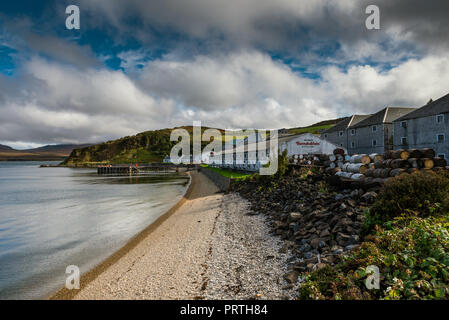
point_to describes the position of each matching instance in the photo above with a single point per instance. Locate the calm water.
(54, 217)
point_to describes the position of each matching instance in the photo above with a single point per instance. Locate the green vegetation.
(228, 173)
(151, 146)
(421, 194)
(145, 147)
(413, 261)
(311, 129)
(407, 238)
(282, 170)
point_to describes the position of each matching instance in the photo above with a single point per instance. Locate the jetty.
(144, 168)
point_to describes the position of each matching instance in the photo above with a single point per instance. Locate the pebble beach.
(211, 246)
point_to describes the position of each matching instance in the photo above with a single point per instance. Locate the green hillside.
(145, 147)
(316, 128)
(311, 129)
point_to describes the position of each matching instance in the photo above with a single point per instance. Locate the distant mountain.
(45, 153)
(62, 149)
(3, 147)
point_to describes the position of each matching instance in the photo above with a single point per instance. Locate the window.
(441, 155)
(374, 143)
(440, 138)
(439, 118)
(341, 144)
(352, 144)
(374, 128)
(404, 124)
(341, 133)
(352, 132)
(403, 141)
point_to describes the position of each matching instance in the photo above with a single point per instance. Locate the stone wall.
(221, 182)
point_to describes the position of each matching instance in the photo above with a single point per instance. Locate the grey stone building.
(426, 127)
(375, 133)
(338, 134)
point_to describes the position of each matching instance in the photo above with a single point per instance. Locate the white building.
(251, 157)
(306, 143)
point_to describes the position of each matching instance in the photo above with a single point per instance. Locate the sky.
(140, 65)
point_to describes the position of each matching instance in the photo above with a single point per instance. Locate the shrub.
(413, 262)
(421, 194)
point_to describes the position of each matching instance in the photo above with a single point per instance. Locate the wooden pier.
(138, 169)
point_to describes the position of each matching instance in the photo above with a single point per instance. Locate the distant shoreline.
(32, 159)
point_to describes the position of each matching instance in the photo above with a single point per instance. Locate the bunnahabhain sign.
(307, 143)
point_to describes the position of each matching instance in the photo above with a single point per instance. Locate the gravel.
(244, 261)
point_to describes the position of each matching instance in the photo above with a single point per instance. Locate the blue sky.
(140, 65)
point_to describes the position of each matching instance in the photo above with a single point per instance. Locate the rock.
(328, 260)
(324, 233)
(354, 194)
(350, 247)
(369, 197)
(343, 239)
(351, 203)
(308, 255)
(295, 216)
(354, 239)
(292, 276)
(338, 251)
(296, 227)
(300, 268)
(320, 266)
(345, 222)
(315, 243)
(339, 197)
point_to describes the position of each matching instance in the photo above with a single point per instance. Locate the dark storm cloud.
(292, 26)
(23, 37)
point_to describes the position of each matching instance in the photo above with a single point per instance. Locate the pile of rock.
(317, 223)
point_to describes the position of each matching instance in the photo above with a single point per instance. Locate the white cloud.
(240, 89)
(412, 83)
(56, 103)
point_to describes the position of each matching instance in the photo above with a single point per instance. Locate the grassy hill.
(145, 147)
(316, 128)
(149, 146)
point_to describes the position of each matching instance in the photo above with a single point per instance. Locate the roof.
(346, 123)
(386, 115)
(261, 145)
(434, 108)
